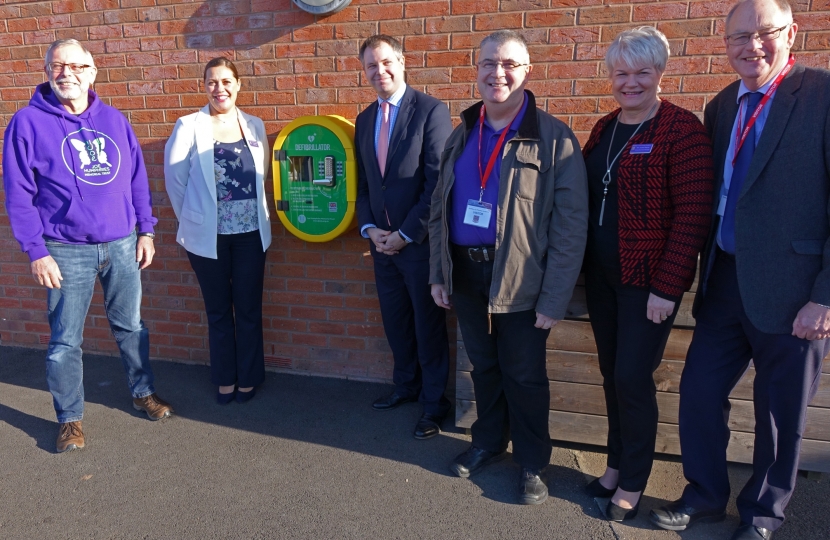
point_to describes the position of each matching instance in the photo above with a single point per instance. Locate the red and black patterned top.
(665, 200)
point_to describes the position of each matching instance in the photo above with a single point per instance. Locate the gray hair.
(67, 43)
(783, 5)
(639, 46)
(501, 37)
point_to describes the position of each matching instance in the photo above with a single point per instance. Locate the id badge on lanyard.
(478, 212)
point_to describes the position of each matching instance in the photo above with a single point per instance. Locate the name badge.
(253, 143)
(641, 148)
(478, 213)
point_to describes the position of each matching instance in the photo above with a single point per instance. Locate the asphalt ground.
(306, 458)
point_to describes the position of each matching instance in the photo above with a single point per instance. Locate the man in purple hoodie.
(79, 203)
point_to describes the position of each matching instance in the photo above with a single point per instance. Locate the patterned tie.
(738, 176)
(383, 137)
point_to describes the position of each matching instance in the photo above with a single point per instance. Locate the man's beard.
(71, 93)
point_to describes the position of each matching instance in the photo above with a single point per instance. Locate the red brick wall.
(321, 311)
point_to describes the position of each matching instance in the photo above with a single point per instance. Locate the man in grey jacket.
(507, 233)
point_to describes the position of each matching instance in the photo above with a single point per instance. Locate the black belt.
(477, 254)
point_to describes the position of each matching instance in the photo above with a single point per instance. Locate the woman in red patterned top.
(650, 178)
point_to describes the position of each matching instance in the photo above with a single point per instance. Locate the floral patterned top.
(233, 168)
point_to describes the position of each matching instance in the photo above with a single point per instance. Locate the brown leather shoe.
(70, 437)
(155, 407)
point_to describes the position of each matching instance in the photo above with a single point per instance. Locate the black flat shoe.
(678, 515)
(750, 532)
(472, 460)
(392, 401)
(595, 489)
(532, 489)
(619, 514)
(428, 426)
(224, 399)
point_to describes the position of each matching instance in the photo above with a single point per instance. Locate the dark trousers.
(232, 288)
(509, 374)
(630, 347)
(787, 371)
(416, 329)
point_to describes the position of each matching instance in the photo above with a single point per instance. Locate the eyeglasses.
(761, 35)
(489, 65)
(57, 67)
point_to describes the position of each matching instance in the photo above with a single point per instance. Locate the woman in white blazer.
(215, 164)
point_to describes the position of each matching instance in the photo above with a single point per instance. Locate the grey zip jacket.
(541, 219)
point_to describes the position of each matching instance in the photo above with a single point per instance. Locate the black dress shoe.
(620, 514)
(750, 532)
(428, 426)
(532, 489)
(387, 403)
(595, 489)
(472, 460)
(679, 515)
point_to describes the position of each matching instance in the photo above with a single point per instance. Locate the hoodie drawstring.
(72, 155)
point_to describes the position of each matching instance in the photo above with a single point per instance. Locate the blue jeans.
(115, 265)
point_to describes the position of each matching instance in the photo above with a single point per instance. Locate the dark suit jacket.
(404, 192)
(782, 229)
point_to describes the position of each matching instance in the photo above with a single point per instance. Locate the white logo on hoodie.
(87, 159)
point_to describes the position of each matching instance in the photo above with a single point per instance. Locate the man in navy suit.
(399, 142)
(764, 291)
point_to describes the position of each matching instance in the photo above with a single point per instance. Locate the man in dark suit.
(399, 142)
(765, 275)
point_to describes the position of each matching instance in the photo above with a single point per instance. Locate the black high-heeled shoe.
(242, 397)
(224, 399)
(619, 514)
(595, 489)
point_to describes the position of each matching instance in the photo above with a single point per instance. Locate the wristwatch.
(149, 235)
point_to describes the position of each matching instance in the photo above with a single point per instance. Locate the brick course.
(321, 309)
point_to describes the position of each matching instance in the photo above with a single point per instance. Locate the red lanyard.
(741, 134)
(496, 151)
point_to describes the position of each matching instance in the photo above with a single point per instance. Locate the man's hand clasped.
(386, 242)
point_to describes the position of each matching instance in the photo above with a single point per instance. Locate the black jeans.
(630, 347)
(232, 288)
(509, 374)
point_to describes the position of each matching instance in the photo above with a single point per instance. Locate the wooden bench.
(577, 402)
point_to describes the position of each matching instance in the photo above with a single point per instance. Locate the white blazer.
(191, 184)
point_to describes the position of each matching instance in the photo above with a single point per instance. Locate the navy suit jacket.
(400, 198)
(782, 228)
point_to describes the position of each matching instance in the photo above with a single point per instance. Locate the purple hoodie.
(75, 179)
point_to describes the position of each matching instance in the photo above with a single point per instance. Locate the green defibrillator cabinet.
(315, 177)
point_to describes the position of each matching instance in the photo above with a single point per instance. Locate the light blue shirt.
(394, 107)
(730, 152)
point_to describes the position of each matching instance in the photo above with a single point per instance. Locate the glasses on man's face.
(57, 67)
(489, 65)
(768, 34)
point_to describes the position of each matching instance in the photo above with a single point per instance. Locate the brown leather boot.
(155, 407)
(70, 437)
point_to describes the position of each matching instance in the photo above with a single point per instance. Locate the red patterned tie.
(383, 137)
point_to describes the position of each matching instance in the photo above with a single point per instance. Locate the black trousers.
(787, 371)
(232, 289)
(509, 374)
(416, 330)
(630, 347)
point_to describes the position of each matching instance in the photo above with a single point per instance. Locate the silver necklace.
(606, 178)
